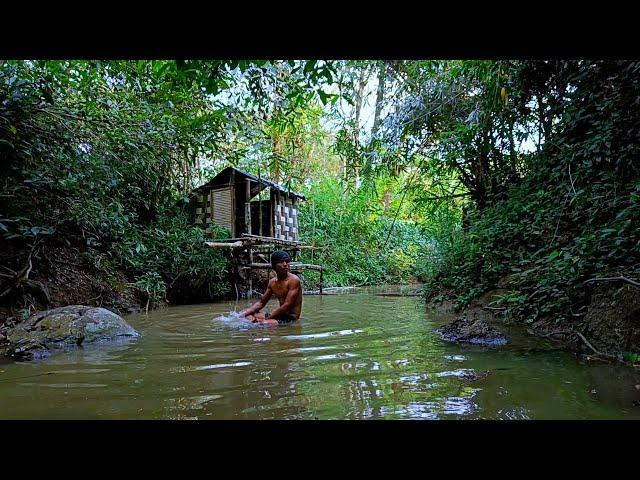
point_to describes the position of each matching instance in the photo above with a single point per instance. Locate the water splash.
(236, 321)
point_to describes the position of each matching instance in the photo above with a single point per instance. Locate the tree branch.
(447, 197)
(613, 279)
(602, 354)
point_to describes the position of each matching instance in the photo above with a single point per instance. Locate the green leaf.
(7, 143)
(554, 254)
(327, 74)
(309, 65)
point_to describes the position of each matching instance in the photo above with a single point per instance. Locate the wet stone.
(476, 332)
(63, 327)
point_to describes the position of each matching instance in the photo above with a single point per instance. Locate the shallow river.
(353, 356)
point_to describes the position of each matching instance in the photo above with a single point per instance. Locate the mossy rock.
(65, 326)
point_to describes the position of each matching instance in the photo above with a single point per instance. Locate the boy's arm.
(256, 307)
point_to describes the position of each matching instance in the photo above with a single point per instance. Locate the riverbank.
(64, 276)
(608, 330)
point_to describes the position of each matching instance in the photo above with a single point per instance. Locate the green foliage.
(173, 251)
(575, 216)
(99, 152)
(352, 239)
(631, 357)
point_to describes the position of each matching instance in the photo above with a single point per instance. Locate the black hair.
(279, 256)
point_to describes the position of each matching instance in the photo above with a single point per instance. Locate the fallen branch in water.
(398, 294)
(328, 291)
(613, 279)
(583, 338)
(602, 354)
(26, 376)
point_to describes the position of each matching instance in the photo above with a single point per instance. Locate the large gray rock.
(64, 326)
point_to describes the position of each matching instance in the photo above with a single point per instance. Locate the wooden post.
(247, 218)
(272, 209)
(249, 273)
(260, 216)
(234, 219)
(277, 215)
(212, 206)
(321, 269)
(247, 208)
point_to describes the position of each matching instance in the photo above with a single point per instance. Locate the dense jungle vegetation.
(465, 175)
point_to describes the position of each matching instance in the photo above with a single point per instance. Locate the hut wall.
(285, 217)
(265, 205)
(227, 202)
(215, 206)
(239, 210)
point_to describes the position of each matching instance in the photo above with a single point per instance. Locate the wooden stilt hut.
(260, 215)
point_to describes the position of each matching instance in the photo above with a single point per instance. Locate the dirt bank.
(63, 276)
(610, 328)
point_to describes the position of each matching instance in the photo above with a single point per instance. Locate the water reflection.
(260, 379)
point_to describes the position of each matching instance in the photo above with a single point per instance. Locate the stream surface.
(356, 355)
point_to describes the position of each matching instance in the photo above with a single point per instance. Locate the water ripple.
(224, 365)
(336, 356)
(356, 356)
(323, 335)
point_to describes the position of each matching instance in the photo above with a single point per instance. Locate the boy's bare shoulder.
(294, 279)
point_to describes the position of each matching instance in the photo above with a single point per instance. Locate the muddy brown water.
(353, 356)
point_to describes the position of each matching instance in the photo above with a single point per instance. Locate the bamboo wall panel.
(215, 207)
(222, 208)
(286, 218)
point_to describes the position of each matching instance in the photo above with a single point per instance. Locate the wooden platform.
(292, 265)
(258, 244)
(247, 240)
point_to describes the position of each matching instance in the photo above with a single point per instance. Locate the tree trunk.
(362, 82)
(382, 75)
(353, 167)
(386, 197)
(277, 151)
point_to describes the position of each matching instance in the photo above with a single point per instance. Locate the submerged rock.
(476, 332)
(474, 377)
(64, 326)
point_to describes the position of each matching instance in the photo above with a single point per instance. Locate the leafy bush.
(353, 241)
(575, 215)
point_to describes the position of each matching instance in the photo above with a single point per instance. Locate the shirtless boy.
(288, 290)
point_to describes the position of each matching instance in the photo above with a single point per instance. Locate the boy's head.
(279, 256)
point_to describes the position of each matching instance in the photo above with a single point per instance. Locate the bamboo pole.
(292, 264)
(223, 244)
